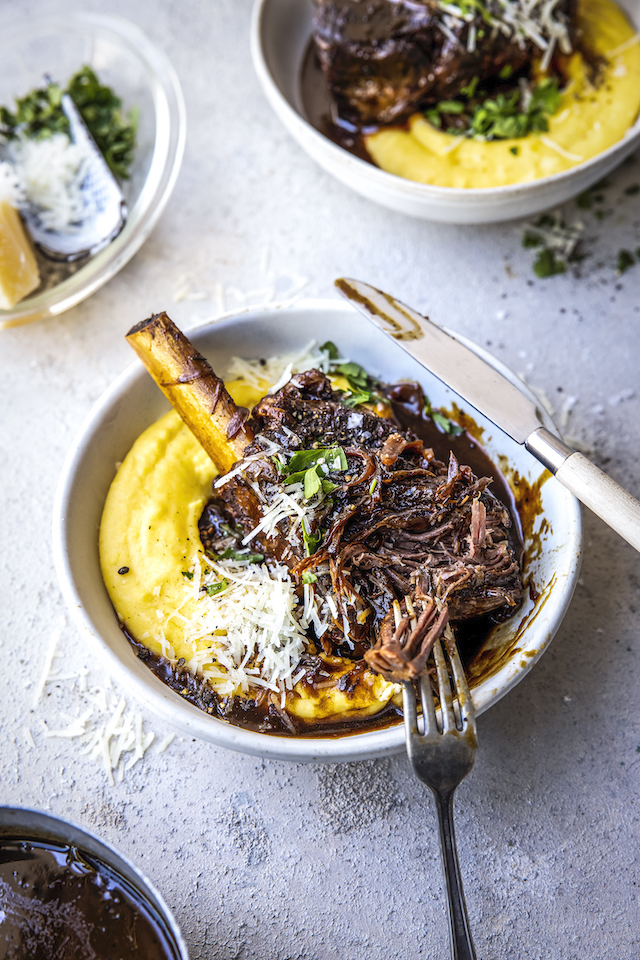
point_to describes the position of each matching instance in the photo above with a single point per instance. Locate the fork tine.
(444, 689)
(463, 694)
(409, 708)
(428, 706)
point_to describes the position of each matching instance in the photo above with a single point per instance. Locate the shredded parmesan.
(271, 371)
(11, 190)
(52, 172)
(519, 20)
(561, 150)
(255, 635)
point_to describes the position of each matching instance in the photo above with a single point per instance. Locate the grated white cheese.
(520, 20)
(51, 172)
(258, 373)
(561, 150)
(254, 634)
(11, 190)
(558, 236)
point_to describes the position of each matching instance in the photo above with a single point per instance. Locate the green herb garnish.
(470, 88)
(215, 588)
(625, 260)
(311, 540)
(187, 574)
(310, 468)
(447, 426)
(308, 577)
(39, 114)
(450, 106)
(503, 117)
(547, 265)
(231, 554)
(330, 348)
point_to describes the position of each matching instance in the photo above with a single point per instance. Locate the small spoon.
(103, 196)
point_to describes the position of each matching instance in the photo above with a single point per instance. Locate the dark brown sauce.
(58, 902)
(265, 717)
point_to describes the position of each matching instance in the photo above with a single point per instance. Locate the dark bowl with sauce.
(65, 895)
(549, 518)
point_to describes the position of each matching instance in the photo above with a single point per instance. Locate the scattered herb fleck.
(625, 260)
(547, 265)
(308, 577)
(187, 574)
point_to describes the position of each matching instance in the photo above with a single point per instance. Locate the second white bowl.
(280, 35)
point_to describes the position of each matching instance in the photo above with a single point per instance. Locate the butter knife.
(489, 392)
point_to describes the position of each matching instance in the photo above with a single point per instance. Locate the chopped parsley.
(215, 588)
(625, 260)
(187, 574)
(239, 555)
(361, 385)
(547, 264)
(311, 540)
(310, 467)
(557, 244)
(308, 577)
(447, 426)
(39, 114)
(507, 115)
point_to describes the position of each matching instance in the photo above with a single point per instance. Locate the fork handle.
(460, 935)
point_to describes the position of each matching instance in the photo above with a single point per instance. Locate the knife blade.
(496, 398)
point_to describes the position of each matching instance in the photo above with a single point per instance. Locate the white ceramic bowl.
(140, 74)
(134, 402)
(280, 34)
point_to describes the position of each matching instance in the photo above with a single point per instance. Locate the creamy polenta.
(589, 120)
(153, 564)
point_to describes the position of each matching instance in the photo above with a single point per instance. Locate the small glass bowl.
(140, 74)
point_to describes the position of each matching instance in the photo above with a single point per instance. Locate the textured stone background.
(268, 860)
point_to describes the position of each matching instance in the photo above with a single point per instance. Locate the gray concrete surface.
(268, 860)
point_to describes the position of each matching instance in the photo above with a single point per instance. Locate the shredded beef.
(400, 526)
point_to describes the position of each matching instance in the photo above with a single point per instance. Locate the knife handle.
(606, 498)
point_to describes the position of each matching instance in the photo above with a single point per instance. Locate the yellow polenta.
(149, 530)
(590, 119)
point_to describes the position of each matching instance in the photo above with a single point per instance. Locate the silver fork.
(442, 755)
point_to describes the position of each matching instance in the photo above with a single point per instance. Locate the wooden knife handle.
(604, 496)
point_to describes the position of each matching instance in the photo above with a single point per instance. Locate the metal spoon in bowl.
(103, 200)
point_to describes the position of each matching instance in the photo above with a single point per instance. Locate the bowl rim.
(375, 176)
(166, 159)
(45, 824)
(189, 719)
